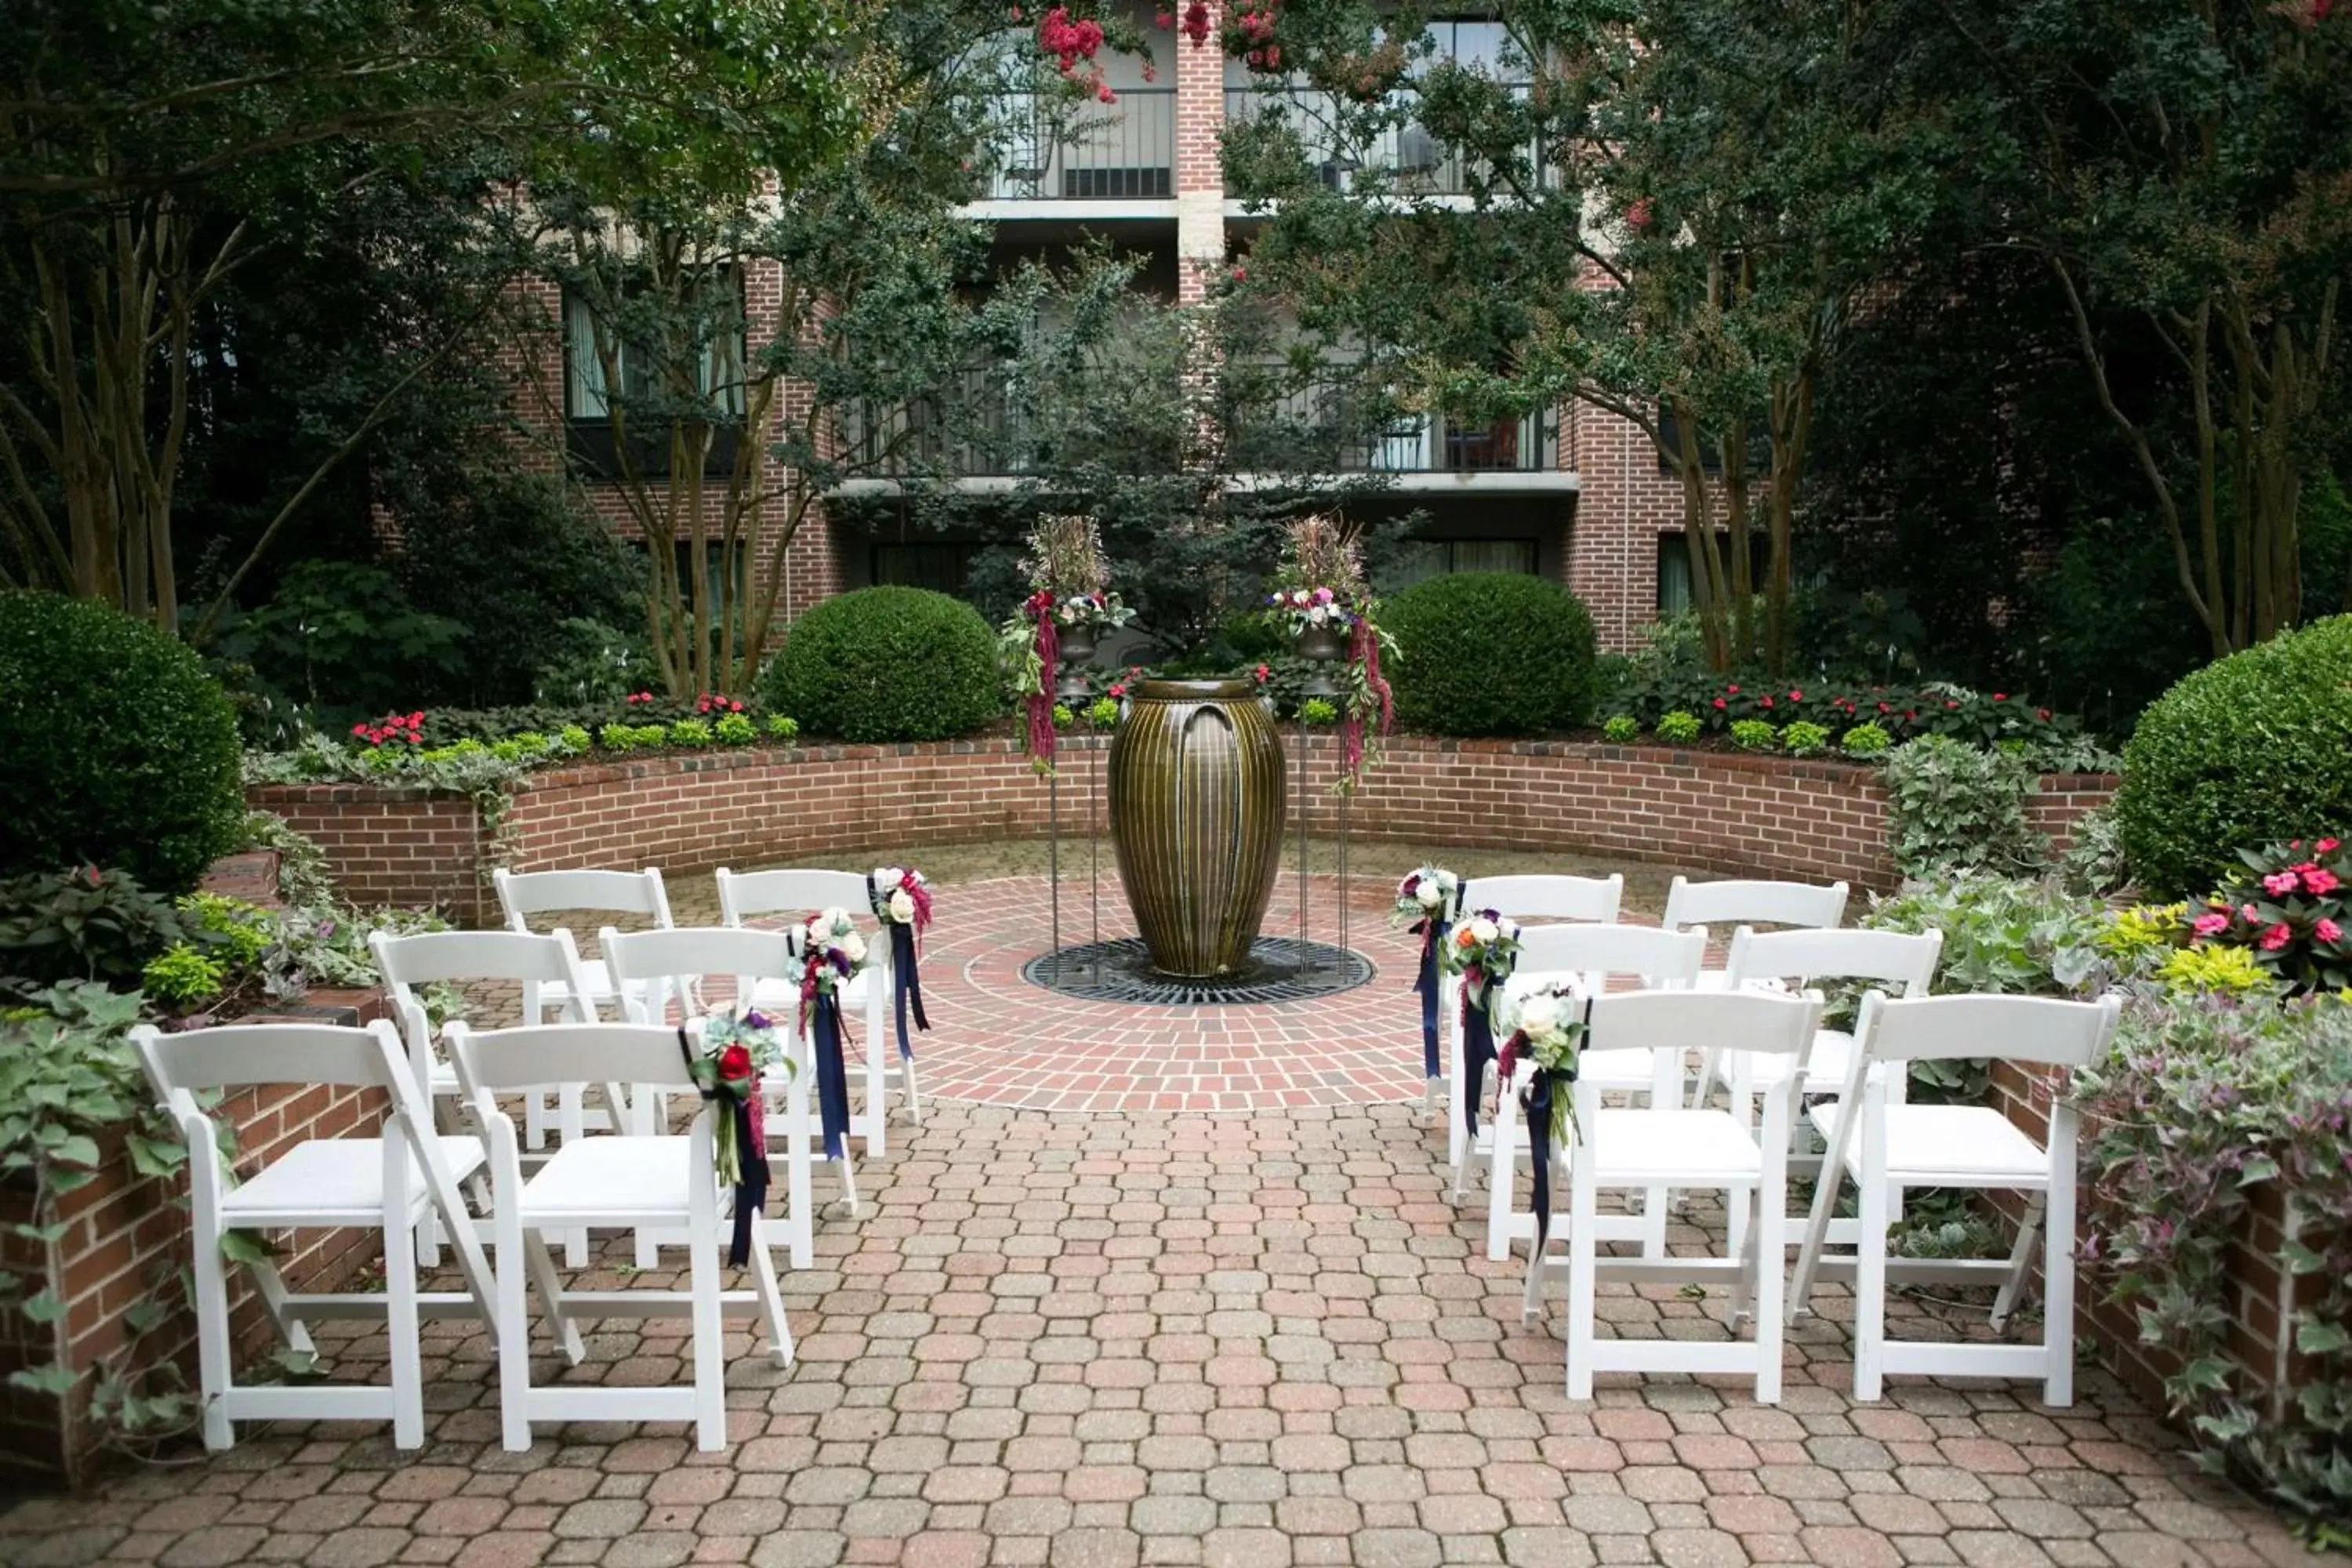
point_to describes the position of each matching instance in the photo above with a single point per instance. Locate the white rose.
(888, 876)
(1430, 894)
(1448, 881)
(902, 906)
(815, 933)
(1484, 931)
(1317, 615)
(854, 946)
(1540, 1013)
(1301, 597)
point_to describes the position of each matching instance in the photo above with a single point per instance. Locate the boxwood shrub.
(888, 664)
(1491, 653)
(116, 747)
(2254, 748)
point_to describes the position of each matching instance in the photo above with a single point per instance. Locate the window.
(1423, 559)
(1675, 567)
(588, 400)
(941, 567)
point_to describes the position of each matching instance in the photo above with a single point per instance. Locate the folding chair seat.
(1582, 959)
(390, 1183)
(1532, 900)
(1883, 1146)
(753, 964)
(795, 895)
(1728, 905)
(523, 894)
(1666, 1144)
(644, 1182)
(536, 964)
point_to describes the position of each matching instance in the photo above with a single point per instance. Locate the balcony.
(968, 432)
(1326, 417)
(1403, 158)
(1055, 152)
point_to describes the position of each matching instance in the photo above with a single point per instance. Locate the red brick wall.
(122, 1232)
(1699, 810)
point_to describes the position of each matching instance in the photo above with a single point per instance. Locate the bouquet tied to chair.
(1548, 1031)
(901, 900)
(832, 955)
(737, 1051)
(1426, 902)
(1482, 948)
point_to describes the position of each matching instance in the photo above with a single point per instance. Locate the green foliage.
(180, 977)
(340, 637)
(239, 933)
(1866, 743)
(2202, 1103)
(84, 925)
(1958, 807)
(590, 662)
(781, 727)
(2291, 907)
(1102, 712)
(1803, 739)
(690, 732)
(735, 730)
(1678, 728)
(572, 739)
(1754, 735)
(116, 747)
(1317, 713)
(888, 664)
(2216, 971)
(1621, 730)
(1491, 655)
(2255, 748)
(2094, 861)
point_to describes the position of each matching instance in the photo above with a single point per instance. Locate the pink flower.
(2328, 932)
(2277, 937)
(2207, 925)
(1719, 702)
(2318, 881)
(2251, 916)
(1734, 691)
(2328, 845)
(2042, 714)
(2001, 697)
(2278, 884)
(1766, 701)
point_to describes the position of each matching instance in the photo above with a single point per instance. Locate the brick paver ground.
(1157, 1337)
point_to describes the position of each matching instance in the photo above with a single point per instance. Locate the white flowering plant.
(1428, 894)
(1547, 1028)
(1482, 948)
(834, 952)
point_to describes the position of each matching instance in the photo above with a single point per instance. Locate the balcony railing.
(1403, 157)
(968, 432)
(1055, 152)
(1325, 419)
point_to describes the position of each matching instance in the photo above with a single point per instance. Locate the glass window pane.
(583, 390)
(1515, 555)
(1674, 575)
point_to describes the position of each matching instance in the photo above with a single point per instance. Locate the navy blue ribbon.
(1537, 1102)
(1477, 1052)
(751, 1187)
(1432, 938)
(832, 1077)
(908, 985)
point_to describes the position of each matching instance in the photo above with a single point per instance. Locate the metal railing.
(1052, 150)
(967, 431)
(1401, 157)
(1327, 420)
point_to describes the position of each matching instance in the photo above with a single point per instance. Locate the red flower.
(1719, 702)
(735, 1063)
(414, 719)
(1263, 675)
(1163, 21)
(2328, 845)
(1241, 274)
(1731, 690)
(1765, 702)
(1886, 708)
(1118, 688)
(2042, 714)
(1795, 695)
(1949, 704)
(359, 729)
(2001, 697)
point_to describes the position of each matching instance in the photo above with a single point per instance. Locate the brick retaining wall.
(1701, 810)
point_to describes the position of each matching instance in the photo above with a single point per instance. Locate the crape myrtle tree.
(1670, 209)
(148, 155)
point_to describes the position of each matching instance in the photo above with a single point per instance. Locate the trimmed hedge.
(888, 664)
(2252, 749)
(1492, 653)
(116, 747)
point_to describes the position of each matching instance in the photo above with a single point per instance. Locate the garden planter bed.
(123, 1232)
(1728, 813)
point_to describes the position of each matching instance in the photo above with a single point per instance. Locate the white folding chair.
(1582, 959)
(389, 1184)
(658, 1181)
(1665, 1145)
(523, 894)
(754, 964)
(796, 894)
(1801, 958)
(1885, 1146)
(1534, 899)
(406, 962)
(1728, 905)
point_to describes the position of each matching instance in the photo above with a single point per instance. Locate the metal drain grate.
(1280, 970)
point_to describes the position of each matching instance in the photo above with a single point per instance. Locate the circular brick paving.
(998, 1040)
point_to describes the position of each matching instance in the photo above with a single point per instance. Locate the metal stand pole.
(1343, 877)
(1054, 864)
(1303, 958)
(1095, 765)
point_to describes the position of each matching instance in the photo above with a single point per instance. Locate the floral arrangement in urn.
(1321, 601)
(1069, 605)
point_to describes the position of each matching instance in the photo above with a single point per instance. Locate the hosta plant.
(1678, 728)
(1623, 730)
(1754, 735)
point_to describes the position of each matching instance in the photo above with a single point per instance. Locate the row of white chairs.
(1753, 1029)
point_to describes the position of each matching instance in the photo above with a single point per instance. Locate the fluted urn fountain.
(1196, 808)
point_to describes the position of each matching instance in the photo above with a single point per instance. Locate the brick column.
(1200, 176)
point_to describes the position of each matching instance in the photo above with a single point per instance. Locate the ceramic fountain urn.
(1196, 810)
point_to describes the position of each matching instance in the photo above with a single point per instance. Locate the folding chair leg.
(800, 1228)
(572, 1123)
(534, 1120)
(1531, 1302)
(1869, 1286)
(1655, 1202)
(1433, 1098)
(216, 1370)
(400, 1332)
(1502, 1174)
(1771, 1255)
(271, 1286)
(2058, 1267)
(1467, 1147)
(877, 1078)
(551, 1296)
(2021, 1263)
(709, 1358)
(848, 1166)
(1581, 1270)
(771, 1295)
(514, 1339)
(914, 1092)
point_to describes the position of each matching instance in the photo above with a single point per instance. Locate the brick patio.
(1154, 1336)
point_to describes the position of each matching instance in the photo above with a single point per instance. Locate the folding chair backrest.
(2044, 1030)
(1593, 898)
(743, 895)
(407, 961)
(536, 1055)
(1657, 958)
(685, 956)
(1672, 1022)
(1736, 903)
(1890, 958)
(523, 894)
(185, 1065)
